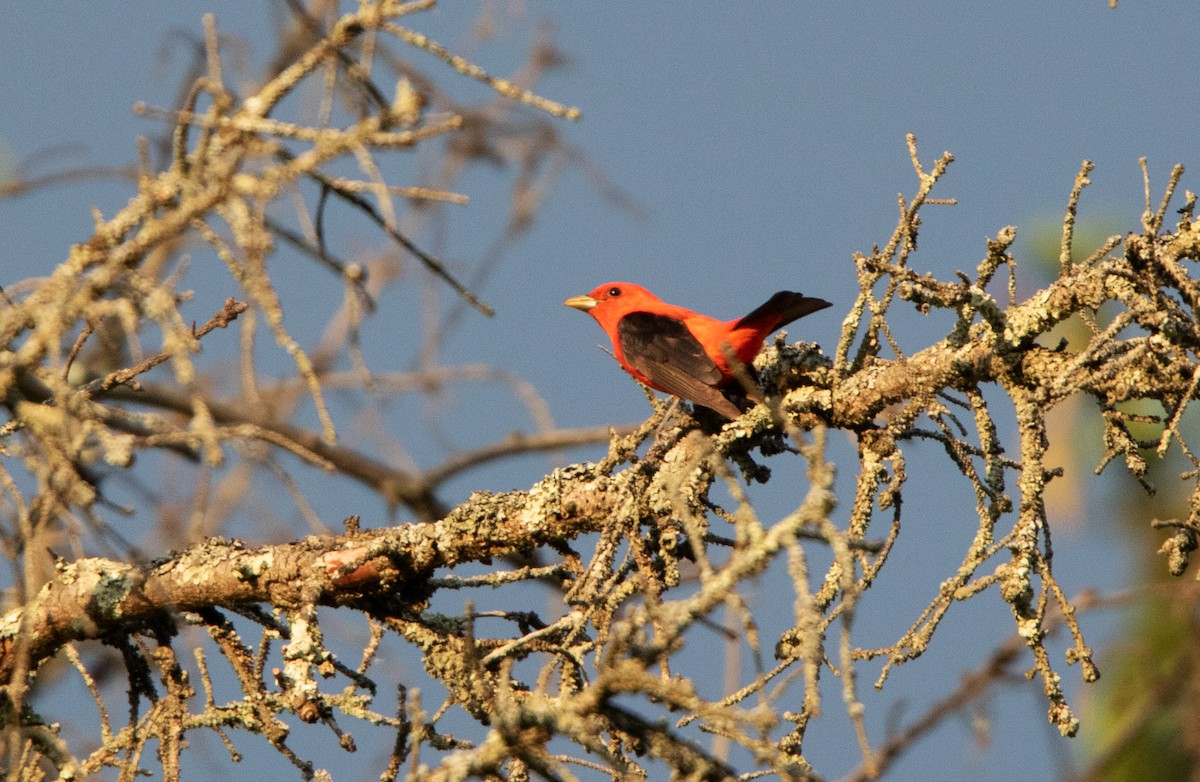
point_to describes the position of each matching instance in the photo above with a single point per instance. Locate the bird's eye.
(614, 291)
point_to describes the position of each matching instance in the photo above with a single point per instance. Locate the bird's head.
(611, 301)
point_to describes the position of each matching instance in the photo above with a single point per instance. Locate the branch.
(92, 598)
(416, 491)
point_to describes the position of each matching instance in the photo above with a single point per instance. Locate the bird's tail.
(780, 310)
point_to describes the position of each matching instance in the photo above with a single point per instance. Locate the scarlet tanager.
(682, 352)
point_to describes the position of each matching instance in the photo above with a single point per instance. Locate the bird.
(681, 352)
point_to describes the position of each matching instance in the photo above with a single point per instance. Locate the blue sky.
(763, 144)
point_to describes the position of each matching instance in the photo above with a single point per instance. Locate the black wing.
(663, 350)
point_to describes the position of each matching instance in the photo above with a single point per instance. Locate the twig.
(227, 315)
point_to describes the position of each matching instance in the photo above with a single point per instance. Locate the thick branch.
(385, 571)
(1000, 348)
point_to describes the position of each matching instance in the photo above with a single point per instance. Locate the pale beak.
(581, 303)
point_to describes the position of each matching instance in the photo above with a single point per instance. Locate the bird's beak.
(581, 303)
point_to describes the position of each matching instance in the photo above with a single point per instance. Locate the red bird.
(682, 352)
